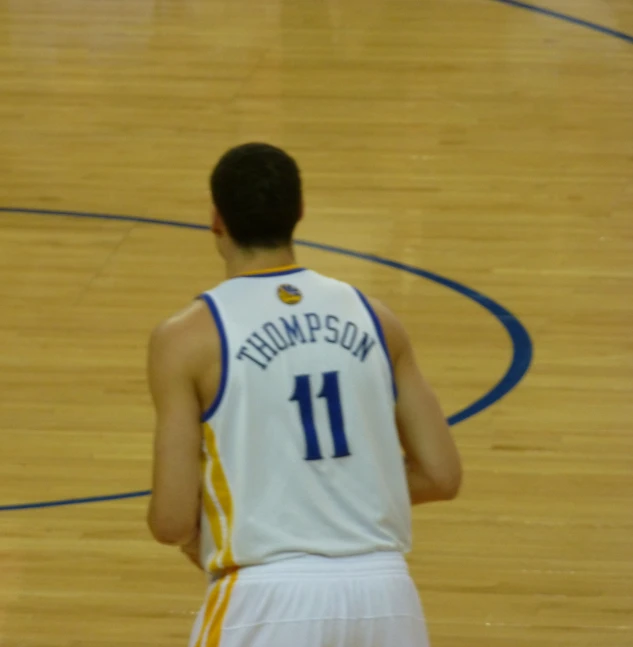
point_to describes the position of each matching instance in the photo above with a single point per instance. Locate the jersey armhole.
(381, 337)
(224, 355)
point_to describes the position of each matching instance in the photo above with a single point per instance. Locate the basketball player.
(285, 401)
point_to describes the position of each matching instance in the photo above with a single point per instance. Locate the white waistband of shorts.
(315, 565)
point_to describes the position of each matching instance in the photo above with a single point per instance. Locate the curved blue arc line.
(567, 18)
(521, 342)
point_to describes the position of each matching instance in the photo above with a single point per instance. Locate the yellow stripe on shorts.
(217, 623)
(209, 609)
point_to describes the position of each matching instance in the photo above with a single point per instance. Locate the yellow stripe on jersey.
(271, 270)
(210, 513)
(218, 504)
(217, 622)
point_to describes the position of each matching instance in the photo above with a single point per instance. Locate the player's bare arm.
(433, 465)
(177, 350)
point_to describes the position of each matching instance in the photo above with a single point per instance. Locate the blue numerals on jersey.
(332, 395)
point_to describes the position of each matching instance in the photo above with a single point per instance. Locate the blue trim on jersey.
(264, 275)
(225, 357)
(381, 336)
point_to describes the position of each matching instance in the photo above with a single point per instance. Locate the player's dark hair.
(257, 190)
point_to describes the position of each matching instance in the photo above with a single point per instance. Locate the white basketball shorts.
(363, 601)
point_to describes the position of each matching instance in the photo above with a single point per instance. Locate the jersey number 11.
(331, 394)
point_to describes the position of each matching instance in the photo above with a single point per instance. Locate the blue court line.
(519, 337)
(89, 499)
(103, 216)
(567, 18)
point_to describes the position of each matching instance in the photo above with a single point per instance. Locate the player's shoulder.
(393, 330)
(183, 323)
(187, 335)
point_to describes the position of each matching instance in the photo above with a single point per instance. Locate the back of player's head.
(256, 188)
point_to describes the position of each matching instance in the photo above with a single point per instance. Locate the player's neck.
(253, 261)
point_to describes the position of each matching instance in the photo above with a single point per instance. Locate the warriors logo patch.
(289, 294)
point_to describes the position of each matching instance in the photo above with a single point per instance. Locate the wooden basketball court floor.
(485, 142)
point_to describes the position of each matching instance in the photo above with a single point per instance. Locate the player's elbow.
(439, 484)
(169, 528)
(449, 483)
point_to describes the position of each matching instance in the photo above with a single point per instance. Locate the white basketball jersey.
(300, 453)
